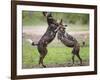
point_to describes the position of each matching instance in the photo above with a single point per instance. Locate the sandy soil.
(36, 33)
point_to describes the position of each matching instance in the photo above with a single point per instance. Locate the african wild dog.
(48, 36)
(69, 41)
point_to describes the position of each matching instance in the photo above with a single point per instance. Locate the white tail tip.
(29, 40)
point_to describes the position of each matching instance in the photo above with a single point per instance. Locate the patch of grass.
(32, 18)
(58, 55)
(55, 55)
(30, 54)
(77, 27)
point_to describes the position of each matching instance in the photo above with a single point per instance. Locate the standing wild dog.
(69, 41)
(48, 36)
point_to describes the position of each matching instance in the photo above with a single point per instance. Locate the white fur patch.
(29, 40)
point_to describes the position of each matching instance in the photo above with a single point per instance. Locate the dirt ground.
(69, 64)
(36, 33)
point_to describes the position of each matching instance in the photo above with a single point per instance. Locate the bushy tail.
(31, 42)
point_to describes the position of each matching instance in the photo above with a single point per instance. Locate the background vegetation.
(36, 18)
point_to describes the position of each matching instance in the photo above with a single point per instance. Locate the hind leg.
(79, 58)
(41, 60)
(73, 57)
(42, 56)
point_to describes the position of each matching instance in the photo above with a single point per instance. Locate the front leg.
(57, 29)
(73, 59)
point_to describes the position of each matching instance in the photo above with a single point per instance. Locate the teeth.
(29, 40)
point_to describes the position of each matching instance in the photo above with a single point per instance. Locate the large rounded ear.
(47, 14)
(44, 13)
(61, 22)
